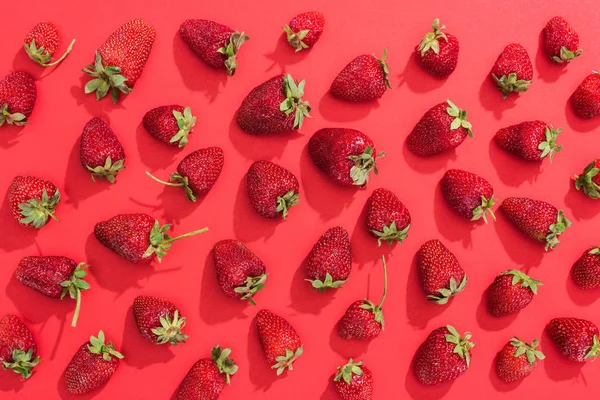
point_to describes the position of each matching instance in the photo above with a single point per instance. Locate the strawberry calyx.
(431, 40)
(253, 284)
(384, 67)
(391, 233)
(36, 212)
(549, 147)
(161, 242)
(185, 123)
(510, 83)
(556, 229)
(177, 180)
(42, 57)
(225, 364)
(445, 293)
(295, 38)
(74, 286)
(525, 280)
(529, 350)
(585, 181)
(287, 360)
(363, 165)
(287, 201)
(460, 118)
(97, 346)
(170, 329)
(463, 345)
(230, 50)
(109, 170)
(22, 362)
(377, 310)
(485, 207)
(11, 119)
(105, 79)
(326, 283)
(293, 102)
(566, 55)
(347, 371)
(594, 349)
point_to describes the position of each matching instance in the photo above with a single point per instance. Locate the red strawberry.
(120, 60)
(585, 99)
(278, 339)
(443, 356)
(387, 218)
(17, 346)
(17, 98)
(589, 180)
(138, 238)
(208, 377)
(240, 273)
(275, 106)
(561, 42)
(170, 124)
(272, 189)
(345, 155)
(517, 359)
(158, 320)
(364, 79)
(32, 200)
(304, 30)
(354, 381)
(92, 366)
(438, 52)
(439, 272)
(511, 292)
(42, 42)
(576, 338)
(215, 44)
(469, 195)
(530, 140)
(539, 220)
(330, 260)
(586, 270)
(54, 276)
(100, 152)
(442, 128)
(513, 71)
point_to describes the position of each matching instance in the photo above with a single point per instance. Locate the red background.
(49, 148)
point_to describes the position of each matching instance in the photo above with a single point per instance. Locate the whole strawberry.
(32, 200)
(17, 98)
(354, 381)
(438, 52)
(345, 155)
(278, 339)
(92, 366)
(586, 98)
(100, 151)
(512, 71)
(387, 218)
(240, 273)
(539, 220)
(586, 270)
(54, 276)
(305, 29)
(208, 376)
(530, 140)
(561, 42)
(217, 45)
(517, 359)
(17, 346)
(443, 356)
(170, 124)
(275, 106)
(364, 79)
(510, 292)
(119, 62)
(42, 42)
(442, 128)
(467, 194)
(272, 189)
(576, 338)
(589, 180)
(158, 320)
(439, 272)
(138, 238)
(330, 260)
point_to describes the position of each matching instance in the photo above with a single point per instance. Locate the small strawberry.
(539, 220)
(530, 140)
(442, 128)
(354, 381)
(443, 356)
(387, 218)
(330, 260)
(585, 99)
(54, 276)
(100, 152)
(278, 339)
(17, 346)
(438, 52)
(32, 200)
(364, 79)
(511, 292)
(576, 338)
(17, 98)
(305, 29)
(589, 180)
(561, 42)
(469, 195)
(158, 320)
(170, 124)
(517, 359)
(439, 272)
(586, 270)
(272, 189)
(42, 42)
(512, 71)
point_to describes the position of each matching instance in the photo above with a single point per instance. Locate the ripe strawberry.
(92, 366)
(208, 376)
(217, 45)
(439, 272)
(589, 180)
(438, 52)
(158, 320)
(275, 106)
(100, 151)
(354, 381)
(119, 62)
(442, 128)
(513, 71)
(561, 42)
(170, 124)
(517, 359)
(305, 29)
(364, 79)
(17, 346)
(469, 195)
(330, 260)
(138, 238)
(345, 155)
(387, 218)
(586, 98)
(272, 189)
(539, 220)
(32, 200)
(530, 140)
(510, 292)
(17, 98)
(278, 339)
(443, 356)
(240, 273)
(586, 270)
(42, 42)
(54, 276)
(576, 338)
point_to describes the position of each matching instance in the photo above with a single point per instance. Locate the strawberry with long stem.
(42, 42)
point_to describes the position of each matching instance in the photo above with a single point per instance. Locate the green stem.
(385, 283)
(163, 182)
(77, 308)
(51, 215)
(63, 56)
(187, 235)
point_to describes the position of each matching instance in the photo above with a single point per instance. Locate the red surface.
(49, 148)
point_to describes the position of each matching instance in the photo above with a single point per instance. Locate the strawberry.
(158, 320)
(387, 218)
(585, 99)
(305, 29)
(345, 155)
(240, 273)
(275, 106)
(197, 172)
(438, 52)
(442, 128)
(439, 272)
(589, 180)
(517, 359)
(32, 200)
(364, 79)
(92, 366)
(511, 292)
(467, 194)
(272, 189)
(42, 42)
(512, 71)
(17, 346)
(561, 42)
(17, 98)
(443, 356)
(576, 338)
(215, 44)
(354, 381)
(586, 270)
(54, 276)
(119, 62)
(539, 220)
(208, 376)
(530, 140)
(278, 339)
(330, 260)
(138, 238)
(170, 124)
(100, 152)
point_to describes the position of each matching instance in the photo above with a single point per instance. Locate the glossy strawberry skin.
(574, 337)
(128, 235)
(523, 139)
(203, 381)
(276, 335)
(161, 124)
(205, 38)
(18, 92)
(359, 388)
(25, 188)
(147, 311)
(504, 298)
(586, 270)
(436, 362)
(313, 21)
(440, 65)
(383, 209)
(202, 168)
(358, 323)
(533, 217)
(510, 368)
(234, 263)
(363, 79)
(463, 191)
(98, 142)
(330, 255)
(558, 34)
(267, 182)
(514, 59)
(45, 274)
(87, 371)
(14, 335)
(586, 98)
(45, 35)
(436, 266)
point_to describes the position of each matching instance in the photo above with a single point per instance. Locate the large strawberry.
(438, 51)
(17, 346)
(510, 292)
(17, 98)
(586, 98)
(439, 272)
(561, 42)
(512, 71)
(589, 180)
(305, 29)
(32, 200)
(278, 339)
(530, 140)
(586, 270)
(364, 79)
(517, 359)
(387, 218)
(42, 42)
(170, 124)
(330, 260)
(354, 381)
(272, 189)
(158, 320)
(469, 195)
(100, 151)
(119, 62)
(578, 339)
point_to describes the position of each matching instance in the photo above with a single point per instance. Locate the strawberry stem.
(77, 307)
(61, 57)
(171, 240)
(385, 284)
(163, 182)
